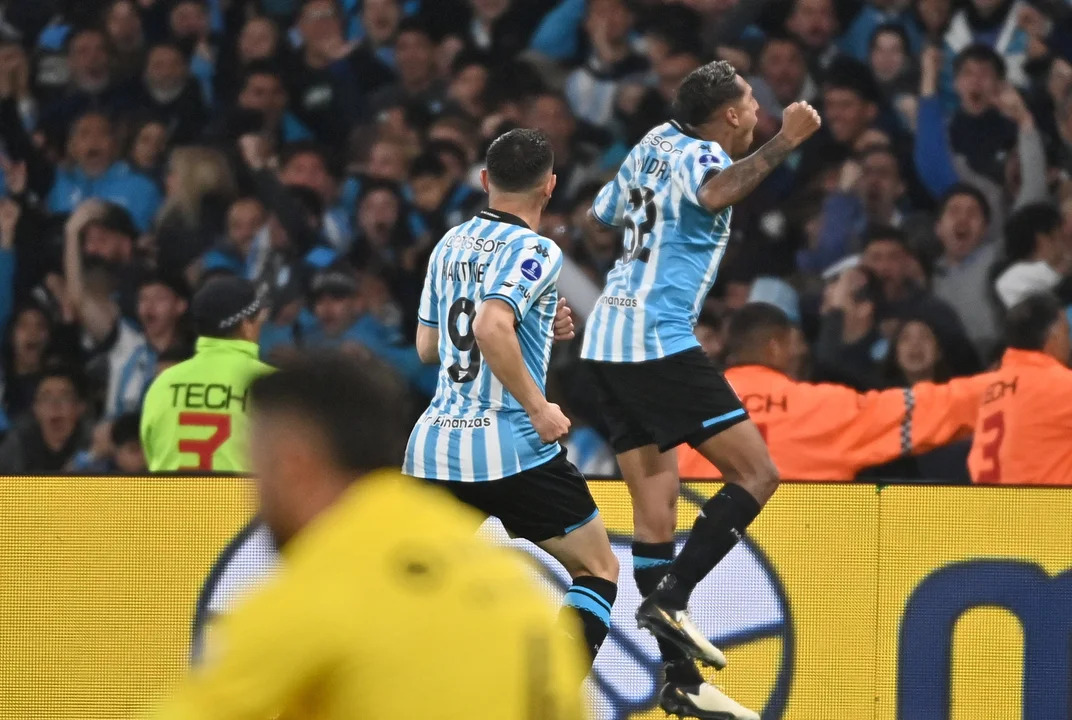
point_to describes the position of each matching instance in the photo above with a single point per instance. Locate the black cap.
(335, 282)
(222, 304)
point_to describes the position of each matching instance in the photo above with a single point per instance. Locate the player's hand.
(799, 122)
(550, 422)
(563, 322)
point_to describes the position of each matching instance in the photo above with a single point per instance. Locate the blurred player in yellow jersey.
(386, 604)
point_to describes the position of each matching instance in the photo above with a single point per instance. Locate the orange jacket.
(1024, 431)
(831, 432)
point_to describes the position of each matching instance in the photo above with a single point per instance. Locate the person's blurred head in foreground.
(762, 334)
(717, 103)
(1039, 323)
(316, 426)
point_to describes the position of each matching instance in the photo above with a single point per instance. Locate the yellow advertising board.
(845, 602)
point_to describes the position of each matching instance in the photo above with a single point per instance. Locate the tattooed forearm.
(738, 180)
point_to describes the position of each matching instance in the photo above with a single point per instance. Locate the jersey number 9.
(465, 342)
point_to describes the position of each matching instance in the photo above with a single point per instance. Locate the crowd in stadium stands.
(321, 148)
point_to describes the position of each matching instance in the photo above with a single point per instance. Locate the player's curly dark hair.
(704, 90)
(518, 160)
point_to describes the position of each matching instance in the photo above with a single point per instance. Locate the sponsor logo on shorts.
(616, 301)
(450, 423)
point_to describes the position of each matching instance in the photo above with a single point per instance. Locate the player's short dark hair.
(705, 90)
(754, 323)
(358, 407)
(961, 188)
(1028, 323)
(518, 160)
(978, 52)
(1025, 225)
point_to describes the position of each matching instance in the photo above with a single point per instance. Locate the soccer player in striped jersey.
(673, 196)
(490, 436)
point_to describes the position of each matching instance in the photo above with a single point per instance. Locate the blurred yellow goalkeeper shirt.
(194, 414)
(389, 606)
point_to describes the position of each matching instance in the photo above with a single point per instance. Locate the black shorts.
(681, 398)
(547, 501)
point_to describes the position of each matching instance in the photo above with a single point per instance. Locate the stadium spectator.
(859, 40)
(441, 200)
(116, 449)
(15, 83)
(49, 439)
(962, 272)
(94, 170)
(828, 431)
(307, 164)
(850, 345)
(332, 79)
(1038, 253)
(90, 85)
(1022, 430)
(782, 76)
(592, 89)
(25, 349)
(126, 36)
(993, 24)
(238, 253)
(815, 23)
(189, 23)
(162, 304)
(200, 188)
(418, 85)
(147, 149)
(263, 108)
(168, 92)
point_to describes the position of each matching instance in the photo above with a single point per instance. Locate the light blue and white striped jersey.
(672, 248)
(475, 430)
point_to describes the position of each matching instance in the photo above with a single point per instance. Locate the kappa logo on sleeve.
(532, 269)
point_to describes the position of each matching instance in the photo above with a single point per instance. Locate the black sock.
(720, 525)
(592, 598)
(650, 563)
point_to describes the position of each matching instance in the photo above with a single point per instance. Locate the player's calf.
(586, 554)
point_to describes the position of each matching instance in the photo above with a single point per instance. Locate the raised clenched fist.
(799, 122)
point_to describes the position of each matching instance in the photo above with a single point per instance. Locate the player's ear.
(551, 183)
(484, 180)
(732, 117)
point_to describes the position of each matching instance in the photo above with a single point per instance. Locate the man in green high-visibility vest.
(195, 414)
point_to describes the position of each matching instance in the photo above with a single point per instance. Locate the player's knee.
(762, 476)
(603, 564)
